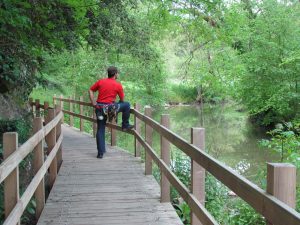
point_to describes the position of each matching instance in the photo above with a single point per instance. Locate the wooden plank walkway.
(112, 190)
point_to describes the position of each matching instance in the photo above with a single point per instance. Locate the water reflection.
(230, 137)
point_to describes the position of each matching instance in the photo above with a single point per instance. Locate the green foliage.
(247, 50)
(82, 68)
(109, 32)
(270, 86)
(27, 31)
(183, 211)
(22, 126)
(226, 209)
(180, 93)
(285, 139)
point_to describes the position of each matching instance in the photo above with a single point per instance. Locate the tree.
(270, 87)
(34, 31)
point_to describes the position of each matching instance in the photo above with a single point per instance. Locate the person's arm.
(91, 94)
(121, 93)
(93, 88)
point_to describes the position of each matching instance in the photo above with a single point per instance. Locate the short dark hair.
(111, 71)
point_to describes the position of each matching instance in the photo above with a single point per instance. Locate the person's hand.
(94, 104)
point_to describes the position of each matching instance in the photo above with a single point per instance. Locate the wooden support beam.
(17, 212)
(37, 108)
(58, 132)
(165, 156)
(13, 161)
(137, 126)
(71, 110)
(46, 106)
(148, 137)
(31, 104)
(38, 160)
(281, 182)
(184, 192)
(265, 204)
(54, 100)
(81, 113)
(61, 104)
(11, 183)
(198, 172)
(51, 141)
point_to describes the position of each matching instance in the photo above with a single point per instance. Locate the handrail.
(75, 101)
(267, 205)
(18, 210)
(9, 164)
(110, 125)
(200, 211)
(270, 207)
(14, 207)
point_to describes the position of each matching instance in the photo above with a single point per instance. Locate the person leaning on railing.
(108, 89)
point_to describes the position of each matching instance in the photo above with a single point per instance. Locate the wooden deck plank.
(112, 190)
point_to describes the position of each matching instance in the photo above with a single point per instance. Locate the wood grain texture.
(38, 160)
(112, 190)
(165, 149)
(81, 113)
(9, 164)
(197, 171)
(18, 210)
(265, 204)
(137, 127)
(11, 183)
(148, 139)
(199, 210)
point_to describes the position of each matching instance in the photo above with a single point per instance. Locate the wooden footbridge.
(120, 189)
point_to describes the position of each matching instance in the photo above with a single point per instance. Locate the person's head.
(112, 71)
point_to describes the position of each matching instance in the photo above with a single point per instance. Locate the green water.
(230, 136)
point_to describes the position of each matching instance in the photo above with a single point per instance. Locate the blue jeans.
(100, 136)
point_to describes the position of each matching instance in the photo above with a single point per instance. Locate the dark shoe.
(129, 127)
(100, 155)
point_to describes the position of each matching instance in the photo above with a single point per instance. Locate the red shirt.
(108, 89)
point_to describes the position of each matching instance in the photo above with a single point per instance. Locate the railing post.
(71, 110)
(281, 182)
(37, 108)
(148, 137)
(54, 100)
(165, 155)
(58, 133)
(61, 104)
(113, 133)
(81, 113)
(51, 141)
(46, 106)
(137, 124)
(38, 160)
(198, 172)
(61, 101)
(31, 103)
(11, 183)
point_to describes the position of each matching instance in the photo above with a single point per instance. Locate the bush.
(180, 93)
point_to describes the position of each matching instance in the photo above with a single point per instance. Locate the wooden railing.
(281, 177)
(14, 205)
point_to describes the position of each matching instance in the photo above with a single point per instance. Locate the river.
(230, 136)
